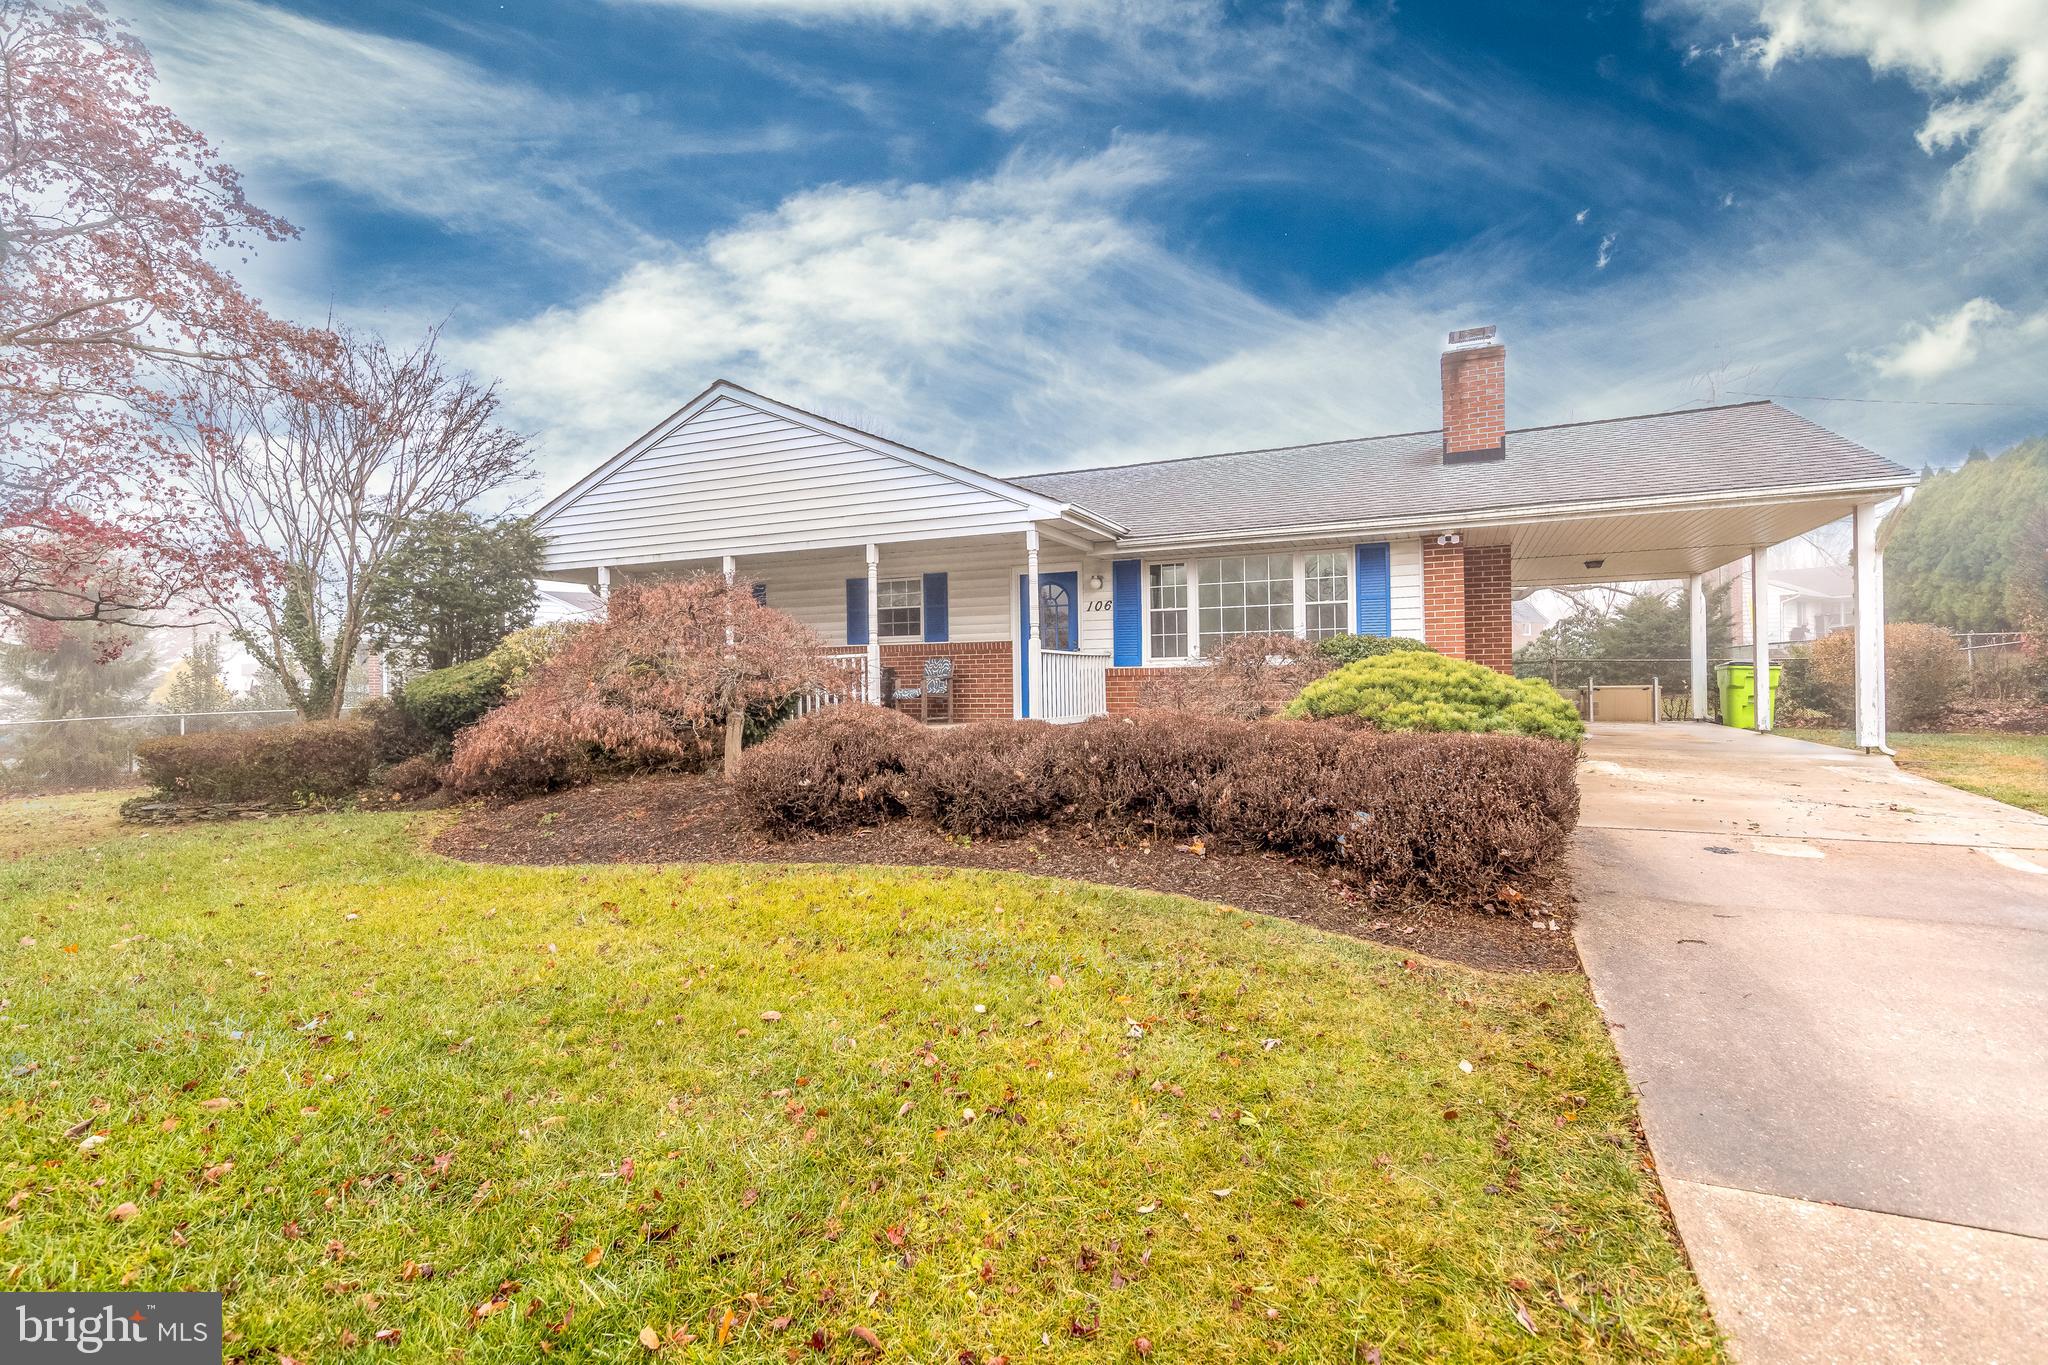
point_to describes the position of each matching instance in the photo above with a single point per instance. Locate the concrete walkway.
(1828, 980)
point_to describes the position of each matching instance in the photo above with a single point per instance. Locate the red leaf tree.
(114, 216)
(674, 666)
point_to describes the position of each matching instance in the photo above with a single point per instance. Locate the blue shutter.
(1127, 607)
(856, 611)
(1374, 579)
(935, 609)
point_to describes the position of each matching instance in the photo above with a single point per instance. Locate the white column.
(604, 580)
(732, 569)
(875, 626)
(1760, 628)
(1034, 653)
(1301, 596)
(1194, 608)
(1696, 595)
(1869, 570)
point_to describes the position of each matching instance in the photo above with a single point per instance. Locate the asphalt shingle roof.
(1737, 448)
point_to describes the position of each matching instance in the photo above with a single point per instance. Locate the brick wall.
(1443, 598)
(1475, 386)
(1124, 688)
(1468, 602)
(984, 679)
(1490, 606)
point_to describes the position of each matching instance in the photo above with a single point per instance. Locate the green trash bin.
(1738, 692)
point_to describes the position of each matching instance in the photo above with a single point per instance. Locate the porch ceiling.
(1655, 544)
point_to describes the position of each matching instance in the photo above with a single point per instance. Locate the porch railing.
(1071, 686)
(849, 670)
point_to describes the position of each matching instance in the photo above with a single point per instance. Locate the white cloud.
(404, 126)
(1946, 344)
(1985, 62)
(1027, 319)
(1606, 252)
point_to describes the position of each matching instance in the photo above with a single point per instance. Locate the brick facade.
(1468, 602)
(984, 676)
(1443, 598)
(1124, 688)
(1490, 606)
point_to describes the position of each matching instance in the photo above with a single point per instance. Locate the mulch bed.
(671, 819)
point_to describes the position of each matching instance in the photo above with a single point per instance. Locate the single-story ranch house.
(1059, 594)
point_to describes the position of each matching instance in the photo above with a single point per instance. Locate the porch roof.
(1742, 452)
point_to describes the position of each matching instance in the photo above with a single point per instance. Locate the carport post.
(874, 659)
(1870, 698)
(1696, 595)
(1760, 631)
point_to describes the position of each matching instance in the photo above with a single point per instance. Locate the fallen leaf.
(212, 1174)
(868, 1338)
(121, 1213)
(1522, 1316)
(388, 1336)
(771, 1016)
(650, 1338)
(748, 1197)
(626, 1169)
(1225, 1192)
(894, 1234)
(1143, 1346)
(216, 1104)
(1054, 981)
(593, 1256)
(79, 1129)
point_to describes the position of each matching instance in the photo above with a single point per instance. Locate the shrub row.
(319, 760)
(1447, 814)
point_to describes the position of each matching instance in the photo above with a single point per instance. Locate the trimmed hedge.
(1446, 814)
(316, 760)
(449, 700)
(1430, 692)
(843, 766)
(1349, 649)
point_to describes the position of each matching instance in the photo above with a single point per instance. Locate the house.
(1807, 600)
(1529, 622)
(1059, 594)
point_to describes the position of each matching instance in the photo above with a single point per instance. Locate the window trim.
(882, 631)
(1191, 611)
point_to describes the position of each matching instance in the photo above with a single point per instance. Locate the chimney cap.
(1472, 338)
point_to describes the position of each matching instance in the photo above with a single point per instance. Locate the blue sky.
(1035, 232)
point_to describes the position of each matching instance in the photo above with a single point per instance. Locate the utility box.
(1738, 692)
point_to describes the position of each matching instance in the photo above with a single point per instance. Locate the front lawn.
(2008, 768)
(403, 1108)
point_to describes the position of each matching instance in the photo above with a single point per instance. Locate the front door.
(1059, 621)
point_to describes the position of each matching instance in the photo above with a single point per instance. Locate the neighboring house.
(557, 604)
(1807, 601)
(894, 555)
(1530, 622)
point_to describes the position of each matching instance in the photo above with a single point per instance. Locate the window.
(1326, 593)
(1245, 595)
(1168, 611)
(899, 604)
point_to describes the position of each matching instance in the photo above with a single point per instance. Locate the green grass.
(41, 824)
(2008, 768)
(323, 1061)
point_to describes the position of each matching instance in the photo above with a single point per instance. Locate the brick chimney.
(1475, 376)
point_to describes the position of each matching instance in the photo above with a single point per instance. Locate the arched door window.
(1055, 615)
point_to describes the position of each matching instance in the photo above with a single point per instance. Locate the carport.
(1684, 537)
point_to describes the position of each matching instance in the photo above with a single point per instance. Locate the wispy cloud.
(407, 127)
(1029, 317)
(1983, 62)
(1606, 251)
(1954, 340)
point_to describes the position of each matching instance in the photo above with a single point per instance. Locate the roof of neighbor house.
(1736, 448)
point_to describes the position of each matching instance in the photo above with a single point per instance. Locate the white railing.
(850, 682)
(1071, 686)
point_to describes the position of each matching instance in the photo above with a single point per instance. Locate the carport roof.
(1739, 449)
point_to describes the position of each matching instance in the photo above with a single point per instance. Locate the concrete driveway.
(1828, 980)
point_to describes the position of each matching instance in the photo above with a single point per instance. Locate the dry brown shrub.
(1248, 677)
(843, 766)
(1924, 670)
(989, 778)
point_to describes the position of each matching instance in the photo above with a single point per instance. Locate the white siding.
(1404, 564)
(981, 578)
(732, 479)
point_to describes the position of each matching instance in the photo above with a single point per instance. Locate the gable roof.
(1735, 449)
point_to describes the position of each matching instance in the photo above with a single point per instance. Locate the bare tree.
(319, 479)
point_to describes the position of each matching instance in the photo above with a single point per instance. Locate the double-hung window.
(1326, 593)
(1244, 595)
(899, 608)
(1167, 611)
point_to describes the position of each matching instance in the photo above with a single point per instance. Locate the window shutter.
(856, 611)
(1127, 608)
(935, 609)
(1375, 587)
(760, 591)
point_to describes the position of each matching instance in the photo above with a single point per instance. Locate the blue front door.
(1059, 621)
